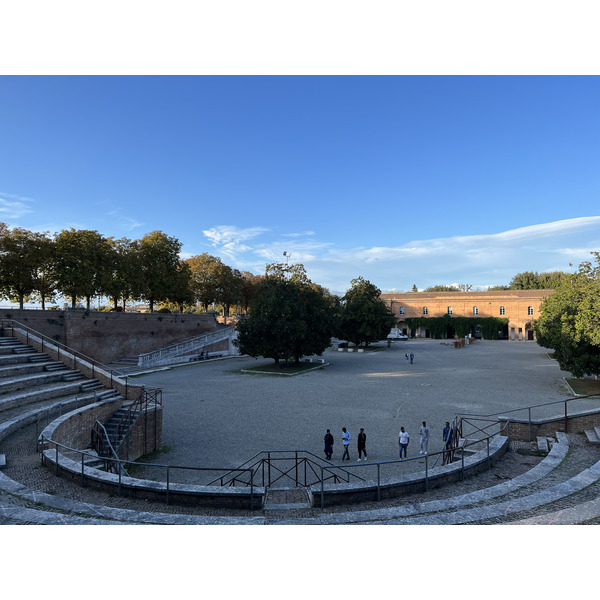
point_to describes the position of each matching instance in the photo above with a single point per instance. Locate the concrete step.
(33, 380)
(592, 436)
(542, 444)
(42, 393)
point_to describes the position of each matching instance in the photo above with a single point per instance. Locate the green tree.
(123, 273)
(442, 288)
(82, 263)
(290, 317)
(249, 282)
(569, 321)
(23, 257)
(364, 316)
(205, 278)
(158, 261)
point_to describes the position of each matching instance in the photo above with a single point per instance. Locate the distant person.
(346, 442)
(412, 357)
(362, 444)
(328, 439)
(403, 440)
(447, 436)
(423, 438)
(406, 356)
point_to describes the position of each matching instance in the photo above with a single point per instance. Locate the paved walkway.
(216, 416)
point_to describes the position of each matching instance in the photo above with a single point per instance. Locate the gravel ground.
(216, 416)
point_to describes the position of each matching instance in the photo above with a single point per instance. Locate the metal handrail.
(185, 346)
(565, 402)
(99, 447)
(121, 462)
(259, 461)
(427, 457)
(57, 344)
(121, 377)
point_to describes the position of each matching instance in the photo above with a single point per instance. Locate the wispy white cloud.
(122, 221)
(479, 260)
(230, 240)
(13, 206)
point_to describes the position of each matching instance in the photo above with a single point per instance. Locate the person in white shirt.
(424, 438)
(346, 442)
(403, 440)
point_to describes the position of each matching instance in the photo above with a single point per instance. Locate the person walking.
(346, 443)
(447, 436)
(362, 444)
(424, 438)
(328, 439)
(412, 357)
(403, 439)
(406, 356)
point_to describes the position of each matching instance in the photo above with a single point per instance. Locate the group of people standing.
(403, 441)
(346, 437)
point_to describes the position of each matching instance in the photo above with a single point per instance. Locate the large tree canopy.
(290, 317)
(569, 322)
(24, 254)
(364, 316)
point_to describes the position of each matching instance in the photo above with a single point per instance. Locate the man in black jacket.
(362, 443)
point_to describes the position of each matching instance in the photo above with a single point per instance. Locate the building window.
(475, 310)
(449, 310)
(401, 311)
(425, 310)
(502, 311)
(530, 311)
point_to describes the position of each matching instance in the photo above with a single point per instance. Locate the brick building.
(520, 307)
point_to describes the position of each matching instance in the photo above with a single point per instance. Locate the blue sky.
(400, 179)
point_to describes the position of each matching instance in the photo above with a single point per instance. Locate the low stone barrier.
(524, 430)
(393, 487)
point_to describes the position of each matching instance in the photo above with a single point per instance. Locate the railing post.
(529, 410)
(251, 489)
(462, 463)
(426, 473)
(488, 452)
(322, 488)
(269, 467)
(56, 449)
(119, 468)
(296, 452)
(167, 496)
(378, 482)
(566, 418)
(82, 471)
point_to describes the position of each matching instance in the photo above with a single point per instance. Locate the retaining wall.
(521, 430)
(394, 487)
(108, 336)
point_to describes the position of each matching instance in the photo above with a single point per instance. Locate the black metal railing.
(300, 467)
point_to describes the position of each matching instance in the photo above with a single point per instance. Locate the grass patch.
(528, 452)
(584, 387)
(283, 368)
(147, 458)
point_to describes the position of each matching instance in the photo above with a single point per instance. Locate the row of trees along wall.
(83, 264)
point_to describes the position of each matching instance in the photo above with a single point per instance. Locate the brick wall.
(519, 428)
(145, 436)
(108, 336)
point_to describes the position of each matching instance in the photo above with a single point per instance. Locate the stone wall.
(108, 336)
(145, 436)
(520, 428)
